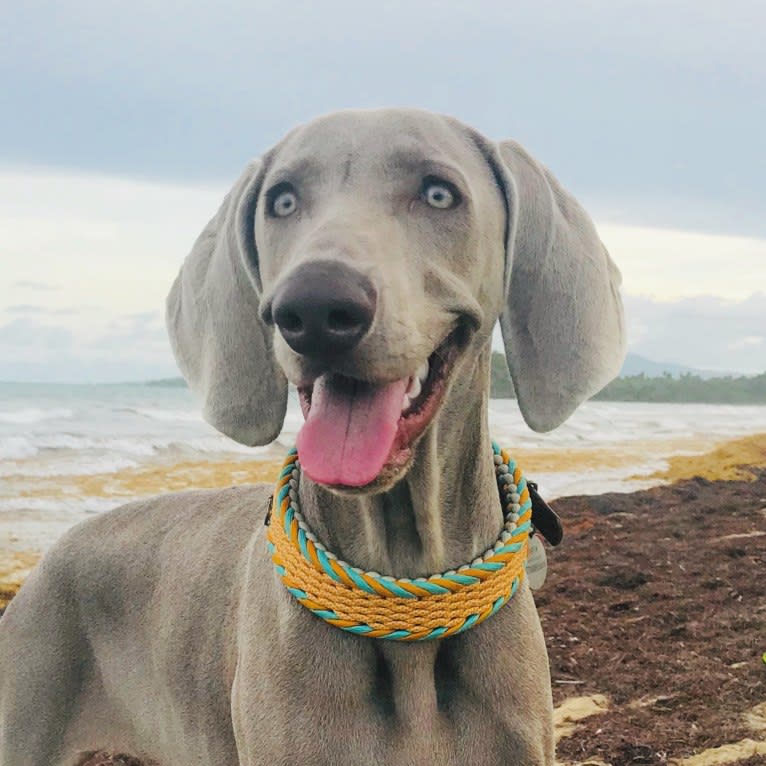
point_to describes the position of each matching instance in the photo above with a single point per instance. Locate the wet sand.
(24, 535)
(681, 458)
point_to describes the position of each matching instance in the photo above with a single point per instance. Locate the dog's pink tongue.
(350, 430)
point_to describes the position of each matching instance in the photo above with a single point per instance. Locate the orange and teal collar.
(400, 609)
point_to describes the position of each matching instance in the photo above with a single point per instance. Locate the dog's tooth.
(406, 402)
(422, 373)
(414, 389)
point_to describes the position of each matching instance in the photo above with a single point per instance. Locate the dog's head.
(366, 258)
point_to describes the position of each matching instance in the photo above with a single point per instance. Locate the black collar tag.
(544, 519)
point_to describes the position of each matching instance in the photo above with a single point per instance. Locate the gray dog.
(366, 259)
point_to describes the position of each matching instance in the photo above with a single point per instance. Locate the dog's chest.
(388, 704)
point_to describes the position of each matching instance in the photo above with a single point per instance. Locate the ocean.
(68, 451)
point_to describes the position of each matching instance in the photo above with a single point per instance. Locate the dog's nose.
(324, 308)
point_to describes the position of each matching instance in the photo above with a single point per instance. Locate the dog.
(366, 259)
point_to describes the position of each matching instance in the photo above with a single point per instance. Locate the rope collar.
(400, 609)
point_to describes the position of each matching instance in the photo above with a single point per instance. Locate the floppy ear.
(223, 348)
(563, 323)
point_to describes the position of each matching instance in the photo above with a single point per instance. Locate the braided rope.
(401, 609)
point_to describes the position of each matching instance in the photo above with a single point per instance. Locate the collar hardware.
(544, 519)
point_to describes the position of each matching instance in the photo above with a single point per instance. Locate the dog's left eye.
(439, 193)
(282, 201)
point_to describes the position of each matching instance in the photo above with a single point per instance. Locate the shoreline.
(23, 537)
(37, 509)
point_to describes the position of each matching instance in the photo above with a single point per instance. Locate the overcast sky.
(124, 124)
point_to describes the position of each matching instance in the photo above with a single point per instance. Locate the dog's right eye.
(281, 201)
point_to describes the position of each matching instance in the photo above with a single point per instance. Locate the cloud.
(28, 308)
(631, 107)
(748, 341)
(109, 244)
(707, 332)
(671, 264)
(28, 284)
(29, 338)
(130, 347)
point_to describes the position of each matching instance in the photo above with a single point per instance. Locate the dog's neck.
(443, 514)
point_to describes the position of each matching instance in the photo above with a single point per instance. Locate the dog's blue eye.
(283, 201)
(439, 194)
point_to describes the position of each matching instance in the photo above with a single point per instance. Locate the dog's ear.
(563, 324)
(222, 347)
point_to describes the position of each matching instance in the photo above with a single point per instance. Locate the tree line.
(667, 388)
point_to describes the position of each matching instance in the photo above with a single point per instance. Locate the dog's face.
(380, 241)
(366, 258)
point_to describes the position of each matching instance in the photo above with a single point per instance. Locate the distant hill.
(639, 365)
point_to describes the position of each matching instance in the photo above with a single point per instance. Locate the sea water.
(50, 433)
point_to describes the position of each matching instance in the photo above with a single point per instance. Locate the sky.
(125, 124)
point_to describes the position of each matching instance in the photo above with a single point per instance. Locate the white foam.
(15, 447)
(139, 446)
(35, 415)
(604, 424)
(595, 481)
(183, 416)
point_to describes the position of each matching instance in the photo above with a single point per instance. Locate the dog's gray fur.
(160, 629)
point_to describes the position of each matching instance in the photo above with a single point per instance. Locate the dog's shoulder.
(151, 521)
(172, 540)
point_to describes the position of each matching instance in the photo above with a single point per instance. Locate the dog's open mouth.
(356, 430)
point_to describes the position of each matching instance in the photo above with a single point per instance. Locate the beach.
(68, 452)
(654, 610)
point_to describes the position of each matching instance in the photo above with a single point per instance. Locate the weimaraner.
(366, 259)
